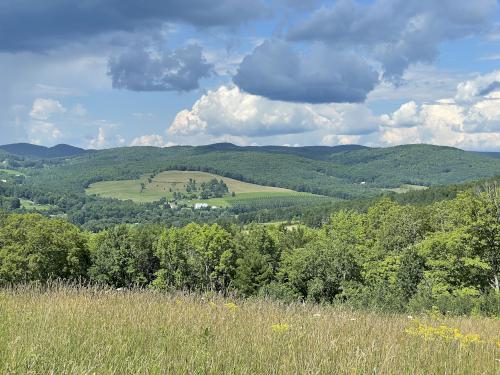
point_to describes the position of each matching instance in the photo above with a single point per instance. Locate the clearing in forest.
(151, 188)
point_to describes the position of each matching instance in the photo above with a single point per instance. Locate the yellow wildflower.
(442, 333)
(231, 306)
(280, 327)
(471, 338)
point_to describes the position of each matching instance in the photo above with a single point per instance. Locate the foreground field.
(166, 183)
(70, 331)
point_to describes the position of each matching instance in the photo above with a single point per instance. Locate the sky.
(111, 73)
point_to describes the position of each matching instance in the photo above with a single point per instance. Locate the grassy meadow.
(30, 205)
(166, 183)
(95, 331)
(406, 188)
(11, 172)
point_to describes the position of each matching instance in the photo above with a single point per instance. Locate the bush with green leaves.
(36, 248)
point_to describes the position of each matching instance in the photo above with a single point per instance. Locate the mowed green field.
(11, 172)
(29, 205)
(406, 188)
(166, 183)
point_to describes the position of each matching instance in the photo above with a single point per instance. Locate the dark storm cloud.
(393, 34)
(143, 69)
(397, 32)
(277, 71)
(27, 25)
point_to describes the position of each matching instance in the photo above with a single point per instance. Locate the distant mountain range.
(28, 149)
(310, 152)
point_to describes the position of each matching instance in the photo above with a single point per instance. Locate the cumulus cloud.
(45, 108)
(483, 116)
(335, 140)
(38, 128)
(472, 90)
(99, 141)
(406, 116)
(229, 114)
(106, 137)
(149, 140)
(230, 111)
(279, 72)
(153, 68)
(471, 122)
(48, 122)
(41, 132)
(28, 26)
(395, 32)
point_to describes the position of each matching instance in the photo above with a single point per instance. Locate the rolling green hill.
(343, 173)
(27, 149)
(325, 177)
(165, 184)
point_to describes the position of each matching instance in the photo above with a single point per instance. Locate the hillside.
(343, 173)
(27, 149)
(188, 184)
(349, 177)
(310, 152)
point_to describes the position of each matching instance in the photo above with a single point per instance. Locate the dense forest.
(345, 176)
(395, 257)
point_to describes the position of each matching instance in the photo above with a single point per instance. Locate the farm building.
(198, 206)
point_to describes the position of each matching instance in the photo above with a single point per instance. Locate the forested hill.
(311, 152)
(344, 172)
(27, 149)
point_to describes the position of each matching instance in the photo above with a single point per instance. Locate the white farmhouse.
(198, 206)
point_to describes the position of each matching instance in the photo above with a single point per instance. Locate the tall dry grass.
(71, 330)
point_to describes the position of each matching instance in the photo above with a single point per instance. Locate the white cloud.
(38, 128)
(149, 140)
(43, 109)
(106, 136)
(228, 111)
(99, 141)
(333, 139)
(40, 132)
(420, 82)
(475, 89)
(406, 116)
(469, 118)
(49, 121)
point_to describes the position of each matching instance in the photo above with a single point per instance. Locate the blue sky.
(110, 73)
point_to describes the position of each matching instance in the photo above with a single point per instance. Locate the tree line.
(392, 256)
